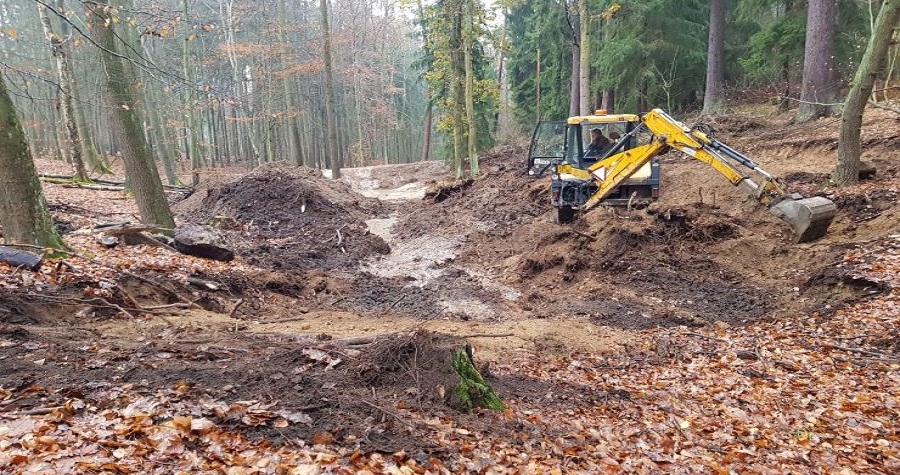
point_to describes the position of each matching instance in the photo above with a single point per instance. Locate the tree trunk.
(575, 93)
(713, 98)
(818, 90)
(584, 60)
(537, 87)
(124, 123)
(158, 131)
(23, 211)
(458, 74)
(332, 149)
(609, 100)
(64, 93)
(472, 391)
(426, 129)
(295, 152)
(192, 149)
(849, 147)
(471, 126)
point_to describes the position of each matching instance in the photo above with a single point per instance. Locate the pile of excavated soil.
(283, 217)
(502, 198)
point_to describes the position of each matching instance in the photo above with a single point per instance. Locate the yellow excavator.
(626, 169)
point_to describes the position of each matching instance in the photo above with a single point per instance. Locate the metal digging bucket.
(809, 218)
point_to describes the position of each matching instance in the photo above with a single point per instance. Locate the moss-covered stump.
(471, 392)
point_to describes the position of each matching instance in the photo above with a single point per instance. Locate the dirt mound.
(640, 270)
(502, 198)
(285, 217)
(735, 124)
(347, 392)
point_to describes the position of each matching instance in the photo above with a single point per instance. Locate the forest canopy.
(239, 82)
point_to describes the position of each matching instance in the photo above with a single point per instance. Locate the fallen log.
(20, 258)
(68, 179)
(203, 283)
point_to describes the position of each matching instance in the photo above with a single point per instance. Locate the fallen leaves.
(816, 393)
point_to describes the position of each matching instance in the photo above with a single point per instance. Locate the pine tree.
(713, 98)
(819, 87)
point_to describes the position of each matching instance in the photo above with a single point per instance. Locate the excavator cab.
(555, 143)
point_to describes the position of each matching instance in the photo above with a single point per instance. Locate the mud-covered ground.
(346, 296)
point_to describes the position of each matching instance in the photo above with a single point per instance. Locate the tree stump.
(471, 392)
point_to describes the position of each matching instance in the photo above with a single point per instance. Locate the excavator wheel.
(809, 218)
(563, 214)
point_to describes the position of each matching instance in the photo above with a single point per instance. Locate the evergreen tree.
(714, 97)
(656, 60)
(539, 60)
(819, 88)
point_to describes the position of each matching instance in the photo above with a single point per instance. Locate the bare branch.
(882, 105)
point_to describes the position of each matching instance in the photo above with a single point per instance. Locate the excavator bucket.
(809, 218)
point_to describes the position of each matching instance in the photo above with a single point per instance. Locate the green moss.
(471, 392)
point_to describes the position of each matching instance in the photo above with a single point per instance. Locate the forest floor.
(693, 336)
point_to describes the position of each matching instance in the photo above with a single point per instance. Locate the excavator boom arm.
(809, 218)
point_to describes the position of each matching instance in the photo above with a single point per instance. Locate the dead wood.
(358, 341)
(881, 356)
(488, 335)
(887, 107)
(394, 304)
(203, 283)
(283, 320)
(125, 228)
(588, 236)
(68, 179)
(38, 411)
(171, 305)
(234, 309)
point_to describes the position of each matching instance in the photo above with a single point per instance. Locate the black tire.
(563, 214)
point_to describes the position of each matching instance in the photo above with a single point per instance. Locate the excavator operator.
(599, 145)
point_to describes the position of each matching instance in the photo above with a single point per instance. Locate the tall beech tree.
(125, 124)
(23, 210)
(64, 74)
(330, 120)
(458, 79)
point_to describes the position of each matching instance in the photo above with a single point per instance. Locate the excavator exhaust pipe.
(809, 218)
